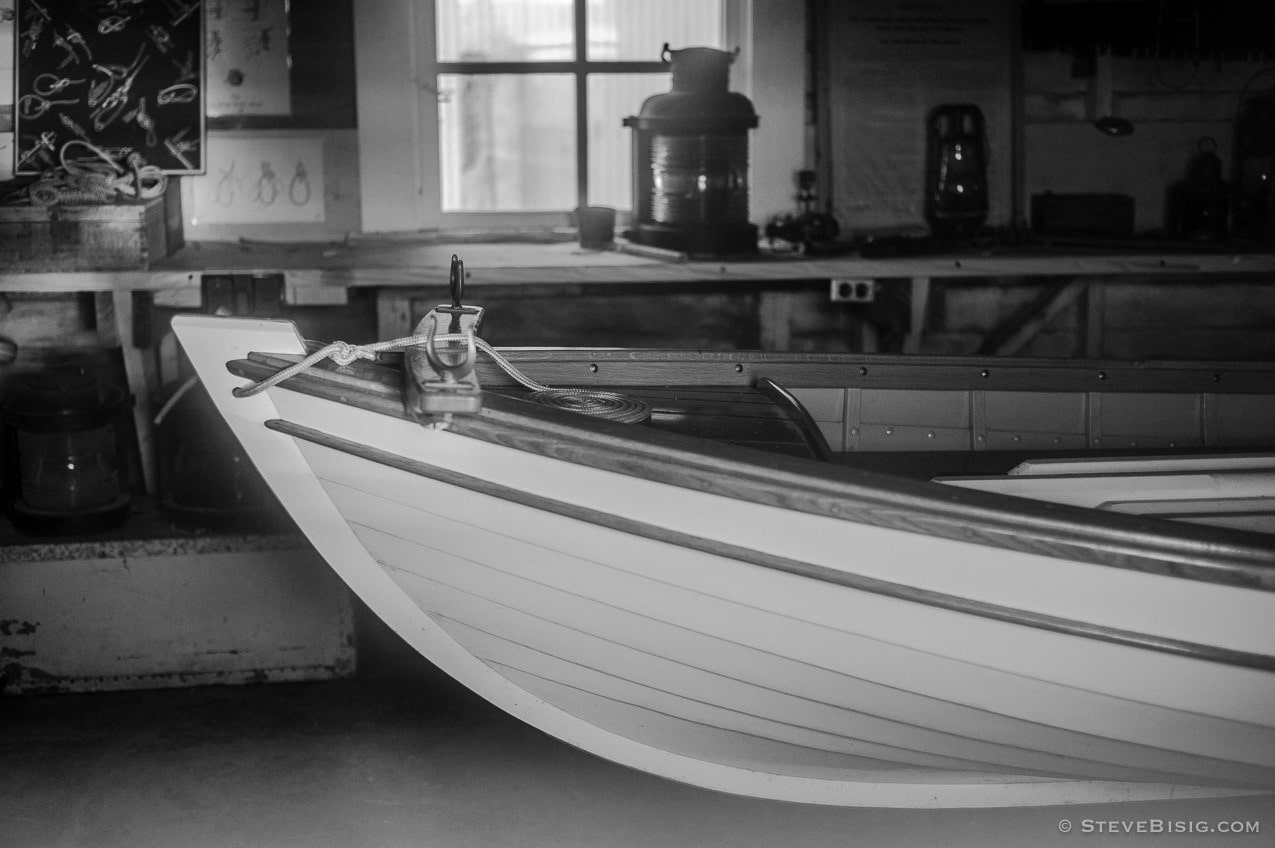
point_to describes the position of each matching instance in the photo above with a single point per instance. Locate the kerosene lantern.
(71, 473)
(956, 172)
(690, 159)
(1253, 182)
(1199, 204)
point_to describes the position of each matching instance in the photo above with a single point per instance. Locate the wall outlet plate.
(852, 290)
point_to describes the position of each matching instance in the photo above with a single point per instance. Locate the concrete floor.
(405, 757)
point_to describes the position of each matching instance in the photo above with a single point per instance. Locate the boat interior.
(1187, 441)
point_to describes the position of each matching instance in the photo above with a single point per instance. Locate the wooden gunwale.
(1056, 624)
(619, 367)
(1215, 555)
(653, 366)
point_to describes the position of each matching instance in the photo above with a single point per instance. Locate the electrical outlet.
(852, 290)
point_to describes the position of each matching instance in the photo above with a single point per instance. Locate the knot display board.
(126, 76)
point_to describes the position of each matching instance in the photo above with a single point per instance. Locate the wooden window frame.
(428, 68)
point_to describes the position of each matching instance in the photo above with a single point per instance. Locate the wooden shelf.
(395, 262)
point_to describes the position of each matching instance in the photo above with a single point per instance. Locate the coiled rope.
(96, 180)
(611, 406)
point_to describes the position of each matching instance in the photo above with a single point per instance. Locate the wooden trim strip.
(649, 367)
(617, 367)
(1055, 624)
(1213, 555)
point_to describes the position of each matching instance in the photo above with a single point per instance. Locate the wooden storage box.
(145, 614)
(89, 237)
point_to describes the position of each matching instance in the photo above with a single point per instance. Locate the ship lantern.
(1253, 184)
(1199, 204)
(956, 173)
(690, 159)
(71, 477)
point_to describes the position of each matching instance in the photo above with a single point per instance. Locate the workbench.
(424, 261)
(321, 273)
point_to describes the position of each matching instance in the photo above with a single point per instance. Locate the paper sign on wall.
(890, 64)
(260, 180)
(248, 65)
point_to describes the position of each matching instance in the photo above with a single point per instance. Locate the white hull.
(556, 593)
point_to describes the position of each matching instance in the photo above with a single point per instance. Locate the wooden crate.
(88, 237)
(144, 614)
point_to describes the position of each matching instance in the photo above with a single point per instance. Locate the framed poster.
(126, 76)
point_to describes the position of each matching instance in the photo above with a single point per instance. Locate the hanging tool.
(48, 85)
(71, 55)
(160, 36)
(70, 124)
(114, 104)
(42, 148)
(75, 38)
(182, 92)
(32, 106)
(111, 24)
(146, 122)
(178, 147)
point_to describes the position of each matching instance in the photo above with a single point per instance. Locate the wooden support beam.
(1095, 314)
(775, 310)
(1026, 322)
(920, 308)
(393, 314)
(115, 316)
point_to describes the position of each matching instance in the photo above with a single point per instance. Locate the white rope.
(609, 405)
(342, 353)
(96, 180)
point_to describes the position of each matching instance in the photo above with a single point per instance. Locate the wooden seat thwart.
(1226, 490)
(1148, 464)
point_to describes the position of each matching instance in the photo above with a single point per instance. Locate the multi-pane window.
(532, 94)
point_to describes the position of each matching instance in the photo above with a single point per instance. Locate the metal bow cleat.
(440, 376)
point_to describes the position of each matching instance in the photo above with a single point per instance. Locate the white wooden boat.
(691, 597)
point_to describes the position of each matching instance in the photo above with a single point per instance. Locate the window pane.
(507, 142)
(505, 30)
(637, 29)
(612, 98)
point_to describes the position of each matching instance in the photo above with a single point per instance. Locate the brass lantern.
(690, 159)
